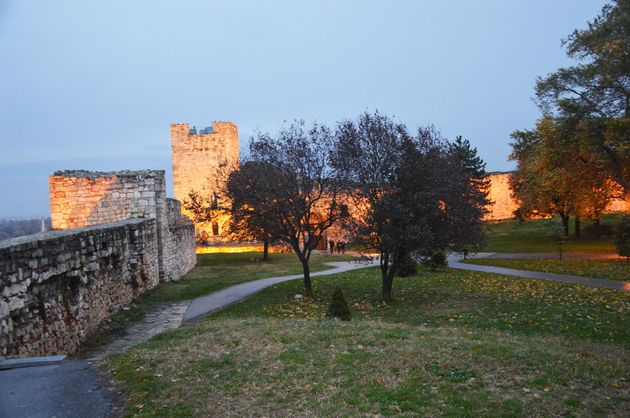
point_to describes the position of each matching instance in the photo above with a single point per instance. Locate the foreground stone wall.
(197, 158)
(57, 287)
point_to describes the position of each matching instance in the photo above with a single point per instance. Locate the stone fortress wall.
(198, 155)
(197, 160)
(501, 194)
(126, 238)
(504, 203)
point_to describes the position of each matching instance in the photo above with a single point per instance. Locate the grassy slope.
(536, 236)
(213, 272)
(598, 269)
(453, 343)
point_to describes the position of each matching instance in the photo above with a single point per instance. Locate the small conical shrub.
(338, 308)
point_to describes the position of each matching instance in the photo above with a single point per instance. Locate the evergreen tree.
(470, 161)
(338, 308)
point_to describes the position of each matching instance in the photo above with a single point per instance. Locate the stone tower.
(197, 156)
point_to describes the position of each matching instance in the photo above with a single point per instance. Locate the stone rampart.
(116, 235)
(180, 255)
(505, 204)
(80, 198)
(500, 194)
(57, 287)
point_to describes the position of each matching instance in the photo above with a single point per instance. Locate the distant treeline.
(11, 228)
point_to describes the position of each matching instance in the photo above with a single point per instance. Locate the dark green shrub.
(622, 237)
(407, 267)
(435, 260)
(338, 308)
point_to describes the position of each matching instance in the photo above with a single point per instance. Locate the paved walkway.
(454, 261)
(68, 389)
(161, 318)
(167, 317)
(213, 302)
(579, 256)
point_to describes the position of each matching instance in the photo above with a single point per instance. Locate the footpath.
(454, 261)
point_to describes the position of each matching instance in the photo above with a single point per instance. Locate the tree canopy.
(594, 94)
(288, 188)
(415, 192)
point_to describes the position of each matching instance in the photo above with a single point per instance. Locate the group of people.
(341, 247)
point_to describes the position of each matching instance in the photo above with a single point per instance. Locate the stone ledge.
(51, 235)
(98, 174)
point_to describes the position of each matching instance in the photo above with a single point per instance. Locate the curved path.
(213, 302)
(551, 256)
(455, 262)
(167, 317)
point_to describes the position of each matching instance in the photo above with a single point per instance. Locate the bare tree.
(289, 189)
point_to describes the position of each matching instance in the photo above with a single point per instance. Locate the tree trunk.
(308, 287)
(388, 281)
(266, 249)
(385, 270)
(387, 288)
(565, 223)
(578, 227)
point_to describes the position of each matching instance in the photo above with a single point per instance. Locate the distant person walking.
(331, 245)
(343, 247)
(204, 239)
(338, 247)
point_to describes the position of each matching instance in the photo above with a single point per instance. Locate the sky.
(92, 84)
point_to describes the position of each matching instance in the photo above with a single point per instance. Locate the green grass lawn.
(212, 273)
(452, 343)
(536, 236)
(597, 269)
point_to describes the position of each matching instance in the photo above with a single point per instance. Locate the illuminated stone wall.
(197, 161)
(500, 194)
(83, 198)
(504, 203)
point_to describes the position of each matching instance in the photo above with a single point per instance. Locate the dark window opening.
(215, 228)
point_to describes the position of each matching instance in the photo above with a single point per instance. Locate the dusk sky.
(95, 84)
